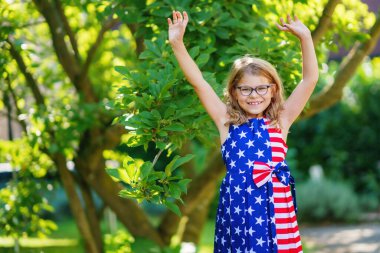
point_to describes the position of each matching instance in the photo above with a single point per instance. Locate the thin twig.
(156, 157)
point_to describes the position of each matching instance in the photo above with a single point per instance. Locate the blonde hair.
(257, 67)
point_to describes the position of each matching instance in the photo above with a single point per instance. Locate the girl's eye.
(245, 89)
(261, 89)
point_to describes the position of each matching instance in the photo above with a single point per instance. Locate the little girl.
(256, 211)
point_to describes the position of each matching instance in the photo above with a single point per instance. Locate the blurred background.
(104, 146)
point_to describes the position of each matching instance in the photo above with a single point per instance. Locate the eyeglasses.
(260, 90)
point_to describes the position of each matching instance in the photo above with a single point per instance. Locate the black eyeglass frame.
(267, 86)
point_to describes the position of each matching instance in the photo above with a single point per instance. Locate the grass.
(65, 239)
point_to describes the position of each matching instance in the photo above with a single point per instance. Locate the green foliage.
(327, 200)
(344, 138)
(142, 182)
(123, 242)
(120, 242)
(160, 106)
(154, 102)
(21, 200)
(21, 207)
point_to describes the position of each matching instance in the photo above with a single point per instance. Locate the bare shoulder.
(223, 128)
(284, 126)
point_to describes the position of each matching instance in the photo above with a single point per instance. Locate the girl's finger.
(289, 18)
(279, 26)
(296, 18)
(179, 16)
(282, 21)
(174, 17)
(169, 22)
(185, 17)
(282, 28)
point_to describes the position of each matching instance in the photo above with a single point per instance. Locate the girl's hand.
(177, 27)
(295, 27)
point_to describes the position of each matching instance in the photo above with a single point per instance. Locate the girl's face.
(254, 94)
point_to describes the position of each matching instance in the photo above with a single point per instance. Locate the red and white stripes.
(288, 236)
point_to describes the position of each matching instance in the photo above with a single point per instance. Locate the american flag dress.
(256, 211)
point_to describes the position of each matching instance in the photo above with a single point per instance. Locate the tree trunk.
(203, 187)
(126, 210)
(75, 204)
(324, 21)
(92, 214)
(197, 219)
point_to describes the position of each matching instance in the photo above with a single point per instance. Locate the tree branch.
(91, 52)
(333, 92)
(30, 81)
(68, 30)
(5, 114)
(67, 59)
(139, 40)
(324, 21)
(112, 136)
(14, 98)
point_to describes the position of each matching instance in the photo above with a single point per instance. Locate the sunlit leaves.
(143, 182)
(21, 200)
(21, 207)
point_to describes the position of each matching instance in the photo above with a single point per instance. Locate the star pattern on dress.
(258, 133)
(250, 163)
(249, 190)
(240, 153)
(260, 241)
(245, 220)
(259, 153)
(237, 210)
(259, 200)
(259, 220)
(237, 230)
(249, 143)
(243, 134)
(237, 189)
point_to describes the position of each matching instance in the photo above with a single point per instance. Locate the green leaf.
(174, 190)
(123, 70)
(202, 59)
(168, 168)
(156, 175)
(175, 127)
(126, 194)
(155, 114)
(145, 170)
(183, 184)
(173, 207)
(194, 51)
(113, 172)
(176, 162)
(182, 160)
(153, 48)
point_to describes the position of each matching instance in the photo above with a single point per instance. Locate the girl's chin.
(254, 115)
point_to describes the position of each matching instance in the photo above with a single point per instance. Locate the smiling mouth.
(254, 103)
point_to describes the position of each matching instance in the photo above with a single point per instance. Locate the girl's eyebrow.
(246, 85)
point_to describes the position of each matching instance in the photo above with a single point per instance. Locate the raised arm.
(297, 100)
(210, 100)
